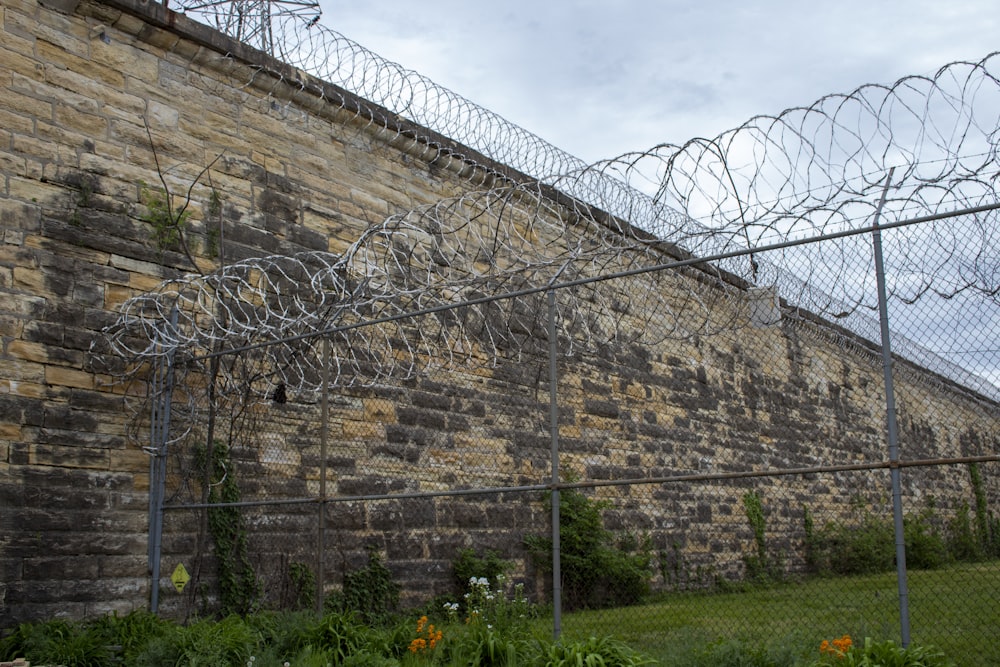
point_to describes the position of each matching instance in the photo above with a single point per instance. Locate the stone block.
(68, 377)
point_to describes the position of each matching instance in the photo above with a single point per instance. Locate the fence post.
(554, 432)
(159, 432)
(890, 409)
(323, 440)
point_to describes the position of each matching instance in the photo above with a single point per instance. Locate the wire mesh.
(739, 477)
(721, 408)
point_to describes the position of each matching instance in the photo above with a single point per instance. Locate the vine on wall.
(240, 591)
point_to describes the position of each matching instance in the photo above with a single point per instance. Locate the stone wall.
(109, 106)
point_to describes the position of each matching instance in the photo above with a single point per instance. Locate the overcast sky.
(598, 79)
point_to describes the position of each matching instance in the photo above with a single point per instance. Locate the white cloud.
(601, 78)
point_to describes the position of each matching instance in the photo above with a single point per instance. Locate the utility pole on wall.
(255, 23)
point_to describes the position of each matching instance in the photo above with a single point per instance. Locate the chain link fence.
(721, 468)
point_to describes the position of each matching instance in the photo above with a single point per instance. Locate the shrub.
(596, 572)
(925, 548)
(868, 546)
(368, 591)
(865, 548)
(468, 566)
(962, 541)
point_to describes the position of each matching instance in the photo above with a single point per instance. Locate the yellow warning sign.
(180, 577)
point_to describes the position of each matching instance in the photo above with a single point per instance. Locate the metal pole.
(153, 546)
(890, 410)
(554, 431)
(163, 386)
(324, 438)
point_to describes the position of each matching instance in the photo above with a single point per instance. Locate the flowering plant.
(843, 652)
(837, 648)
(493, 608)
(427, 638)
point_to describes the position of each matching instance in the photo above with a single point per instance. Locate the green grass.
(955, 609)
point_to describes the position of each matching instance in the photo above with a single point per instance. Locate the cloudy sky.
(598, 79)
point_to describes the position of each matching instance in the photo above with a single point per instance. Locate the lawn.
(956, 608)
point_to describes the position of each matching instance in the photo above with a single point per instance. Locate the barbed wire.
(801, 174)
(804, 172)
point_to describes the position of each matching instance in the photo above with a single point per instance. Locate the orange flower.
(838, 647)
(429, 639)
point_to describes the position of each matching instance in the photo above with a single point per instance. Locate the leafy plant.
(130, 632)
(596, 571)
(761, 566)
(844, 653)
(987, 526)
(362, 658)
(962, 542)
(204, 643)
(240, 591)
(468, 566)
(168, 223)
(282, 633)
(741, 653)
(483, 646)
(925, 548)
(495, 608)
(866, 546)
(303, 585)
(57, 642)
(339, 635)
(368, 591)
(593, 652)
(810, 542)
